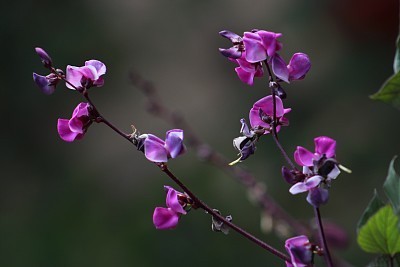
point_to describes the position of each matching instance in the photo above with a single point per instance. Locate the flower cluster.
(258, 46)
(177, 203)
(319, 169)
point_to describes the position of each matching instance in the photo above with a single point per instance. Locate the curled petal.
(154, 149)
(267, 106)
(255, 119)
(298, 66)
(232, 52)
(303, 157)
(308, 185)
(279, 68)
(98, 65)
(65, 132)
(172, 200)
(46, 59)
(165, 218)
(74, 77)
(255, 51)
(44, 84)
(174, 143)
(231, 36)
(325, 145)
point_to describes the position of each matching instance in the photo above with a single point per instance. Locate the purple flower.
(247, 71)
(86, 76)
(300, 251)
(260, 44)
(157, 150)
(167, 218)
(46, 59)
(297, 69)
(47, 84)
(76, 127)
(319, 169)
(236, 50)
(261, 114)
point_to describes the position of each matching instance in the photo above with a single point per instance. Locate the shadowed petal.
(44, 84)
(318, 196)
(174, 143)
(255, 120)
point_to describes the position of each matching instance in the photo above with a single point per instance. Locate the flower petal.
(318, 196)
(325, 145)
(298, 66)
(255, 120)
(174, 143)
(297, 188)
(279, 68)
(231, 36)
(172, 200)
(245, 76)
(164, 218)
(154, 149)
(98, 65)
(269, 41)
(334, 173)
(255, 51)
(73, 76)
(267, 105)
(303, 157)
(44, 84)
(313, 181)
(65, 132)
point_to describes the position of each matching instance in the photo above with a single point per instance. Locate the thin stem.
(211, 211)
(270, 81)
(327, 254)
(283, 152)
(163, 167)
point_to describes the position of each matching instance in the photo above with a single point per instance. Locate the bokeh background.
(90, 203)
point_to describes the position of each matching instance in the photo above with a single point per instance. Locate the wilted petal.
(298, 66)
(44, 84)
(174, 142)
(255, 51)
(154, 149)
(165, 218)
(172, 200)
(325, 145)
(65, 132)
(318, 196)
(303, 157)
(279, 68)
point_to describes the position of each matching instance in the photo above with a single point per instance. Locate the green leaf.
(396, 63)
(380, 234)
(392, 187)
(390, 91)
(373, 206)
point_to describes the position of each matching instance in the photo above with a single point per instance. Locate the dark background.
(90, 203)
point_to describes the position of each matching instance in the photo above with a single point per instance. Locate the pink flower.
(324, 146)
(157, 150)
(86, 76)
(76, 127)
(300, 251)
(260, 44)
(261, 114)
(247, 71)
(167, 218)
(297, 69)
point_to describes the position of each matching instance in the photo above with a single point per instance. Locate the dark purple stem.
(327, 254)
(209, 210)
(163, 167)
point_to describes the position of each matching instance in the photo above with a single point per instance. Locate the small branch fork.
(163, 167)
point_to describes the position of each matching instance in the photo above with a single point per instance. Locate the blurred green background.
(90, 203)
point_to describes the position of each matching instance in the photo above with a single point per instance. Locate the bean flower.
(297, 68)
(261, 114)
(319, 169)
(158, 150)
(168, 218)
(260, 44)
(75, 128)
(86, 76)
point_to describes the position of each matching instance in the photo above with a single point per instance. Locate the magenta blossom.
(262, 112)
(300, 251)
(297, 69)
(261, 44)
(247, 71)
(319, 169)
(167, 218)
(86, 76)
(157, 150)
(76, 127)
